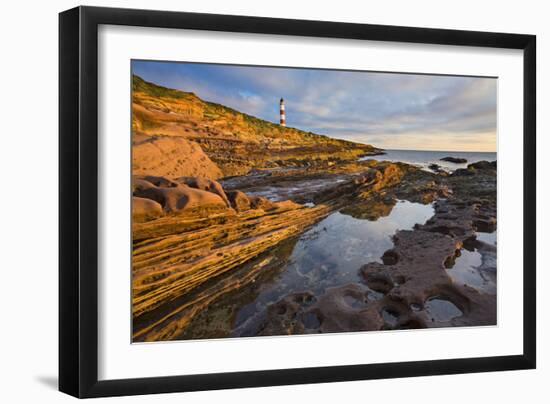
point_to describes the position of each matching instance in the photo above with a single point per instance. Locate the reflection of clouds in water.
(489, 238)
(343, 244)
(353, 248)
(476, 268)
(282, 192)
(331, 253)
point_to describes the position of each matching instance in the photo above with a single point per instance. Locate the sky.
(387, 110)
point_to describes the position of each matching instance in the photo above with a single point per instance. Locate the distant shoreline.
(440, 151)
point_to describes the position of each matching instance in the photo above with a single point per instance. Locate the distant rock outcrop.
(472, 168)
(456, 160)
(436, 168)
(483, 165)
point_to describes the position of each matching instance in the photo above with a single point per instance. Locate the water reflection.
(489, 238)
(476, 265)
(441, 310)
(327, 255)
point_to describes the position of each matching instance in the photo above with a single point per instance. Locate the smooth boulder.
(179, 197)
(205, 184)
(144, 209)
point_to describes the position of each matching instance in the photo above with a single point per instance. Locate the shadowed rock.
(462, 172)
(474, 167)
(238, 200)
(456, 160)
(483, 165)
(205, 184)
(157, 181)
(340, 309)
(259, 202)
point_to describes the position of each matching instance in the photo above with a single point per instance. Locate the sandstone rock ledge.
(197, 235)
(200, 232)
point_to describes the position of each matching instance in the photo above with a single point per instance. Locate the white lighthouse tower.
(282, 112)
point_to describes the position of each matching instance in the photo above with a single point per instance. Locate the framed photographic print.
(251, 201)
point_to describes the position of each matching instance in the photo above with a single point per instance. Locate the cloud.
(416, 111)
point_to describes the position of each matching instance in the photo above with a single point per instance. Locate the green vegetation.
(214, 111)
(236, 142)
(138, 84)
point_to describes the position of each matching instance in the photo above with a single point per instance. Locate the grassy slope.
(237, 142)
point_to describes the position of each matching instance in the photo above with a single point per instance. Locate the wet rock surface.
(188, 258)
(344, 308)
(414, 284)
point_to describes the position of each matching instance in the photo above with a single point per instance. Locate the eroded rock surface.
(339, 309)
(184, 260)
(179, 198)
(411, 288)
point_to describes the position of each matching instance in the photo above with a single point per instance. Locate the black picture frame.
(78, 200)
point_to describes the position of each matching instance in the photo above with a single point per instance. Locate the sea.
(423, 158)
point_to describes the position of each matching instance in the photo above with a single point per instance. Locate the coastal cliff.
(176, 133)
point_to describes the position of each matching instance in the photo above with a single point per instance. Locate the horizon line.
(431, 150)
(337, 137)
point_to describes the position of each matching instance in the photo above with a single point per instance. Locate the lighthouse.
(282, 112)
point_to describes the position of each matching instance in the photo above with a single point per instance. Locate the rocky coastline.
(456, 160)
(196, 240)
(221, 200)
